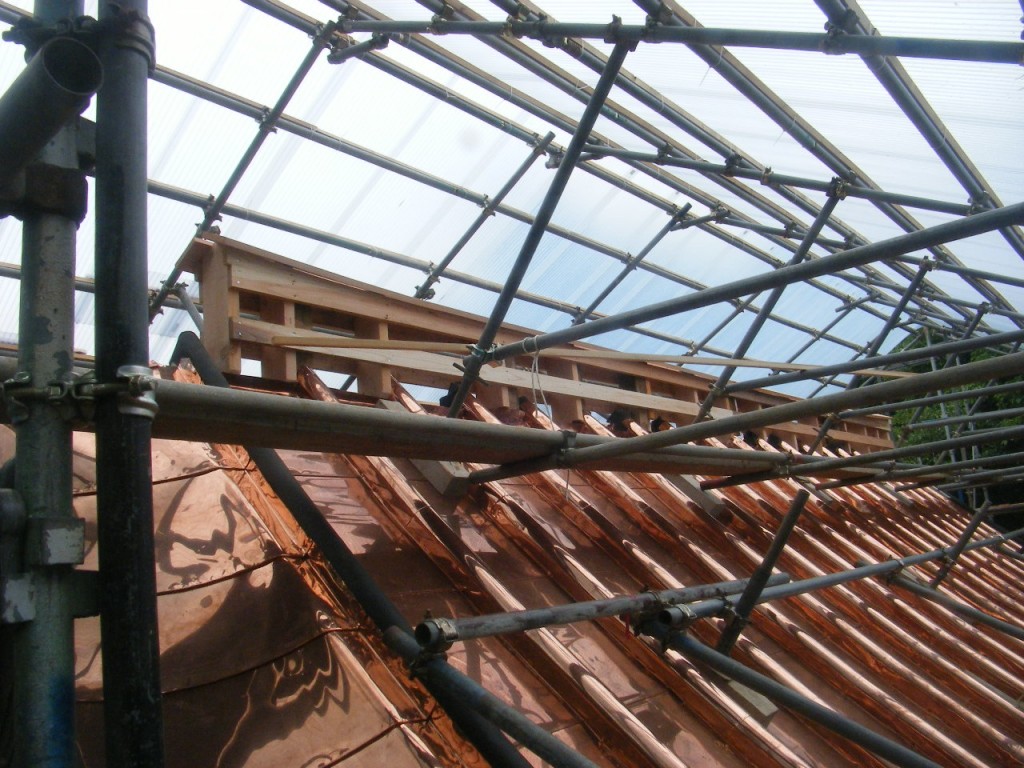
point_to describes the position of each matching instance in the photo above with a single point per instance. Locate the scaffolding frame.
(127, 398)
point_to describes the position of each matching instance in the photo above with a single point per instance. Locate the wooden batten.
(253, 301)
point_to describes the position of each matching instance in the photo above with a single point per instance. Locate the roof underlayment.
(823, 184)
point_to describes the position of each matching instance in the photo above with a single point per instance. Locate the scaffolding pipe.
(969, 612)
(738, 309)
(1006, 413)
(915, 47)
(1008, 365)
(990, 477)
(865, 254)
(186, 301)
(893, 358)
(438, 634)
(425, 291)
(53, 89)
(923, 402)
(343, 562)
(128, 623)
(787, 697)
(959, 269)
(770, 178)
(950, 560)
(810, 465)
(37, 655)
(191, 412)
(567, 164)
(761, 577)
(923, 469)
(1005, 509)
(681, 616)
(718, 388)
(784, 233)
(446, 682)
(841, 314)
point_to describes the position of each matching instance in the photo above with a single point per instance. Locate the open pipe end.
(71, 66)
(436, 635)
(49, 93)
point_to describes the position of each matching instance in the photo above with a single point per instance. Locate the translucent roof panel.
(380, 164)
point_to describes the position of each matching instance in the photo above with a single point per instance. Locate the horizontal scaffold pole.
(769, 177)
(1008, 365)
(684, 615)
(1005, 413)
(921, 402)
(997, 52)
(895, 358)
(440, 633)
(941, 471)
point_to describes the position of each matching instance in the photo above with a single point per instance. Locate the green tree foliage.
(902, 417)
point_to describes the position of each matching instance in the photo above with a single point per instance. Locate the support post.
(475, 361)
(37, 655)
(760, 578)
(131, 675)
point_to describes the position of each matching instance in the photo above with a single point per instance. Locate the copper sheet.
(266, 660)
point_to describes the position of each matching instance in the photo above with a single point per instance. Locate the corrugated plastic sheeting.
(10, 240)
(229, 45)
(794, 15)
(848, 106)
(195, 144)
(962, 94)
(10, 304)
(326, 190)
(603, 212)
(948, 19)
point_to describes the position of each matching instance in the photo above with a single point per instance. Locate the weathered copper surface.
(267, 661)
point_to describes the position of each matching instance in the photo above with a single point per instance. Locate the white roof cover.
(380, 164)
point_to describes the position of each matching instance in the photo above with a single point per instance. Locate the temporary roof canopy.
(378, 166)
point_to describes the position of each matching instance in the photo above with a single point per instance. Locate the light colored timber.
(344, 342)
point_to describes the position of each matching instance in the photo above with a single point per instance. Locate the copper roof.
(267, 660)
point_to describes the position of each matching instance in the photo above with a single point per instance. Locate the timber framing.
(253, 299)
